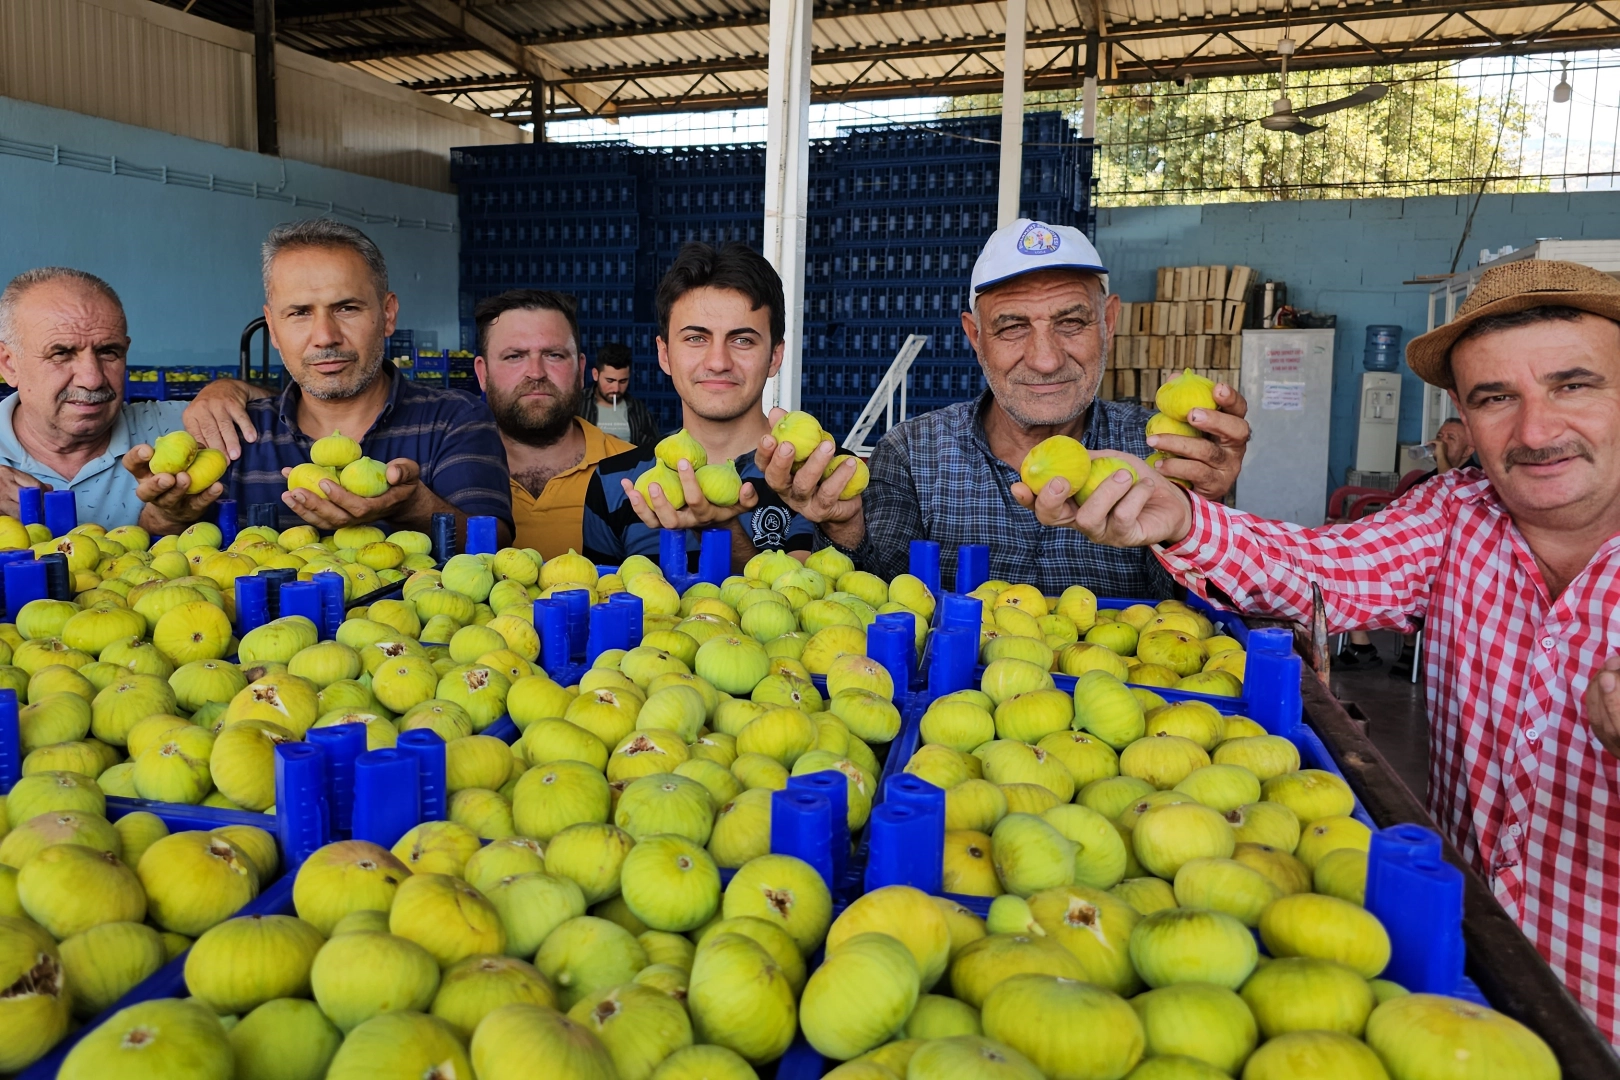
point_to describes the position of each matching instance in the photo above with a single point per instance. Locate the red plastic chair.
(1351, 502)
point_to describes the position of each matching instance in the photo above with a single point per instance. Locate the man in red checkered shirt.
(1515, 571)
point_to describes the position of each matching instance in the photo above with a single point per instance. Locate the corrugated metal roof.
(663, 55)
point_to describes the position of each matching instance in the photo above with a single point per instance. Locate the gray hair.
(44, 275)
(323, 233)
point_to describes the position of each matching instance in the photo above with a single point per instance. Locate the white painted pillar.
(1088, 108)
(787, 181)
(1012, 115)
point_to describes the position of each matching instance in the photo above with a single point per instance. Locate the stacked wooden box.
(1195, 321)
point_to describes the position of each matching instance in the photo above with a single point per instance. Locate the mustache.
(76, 396)
(331, 354)
(1526, 455)
(542, 384)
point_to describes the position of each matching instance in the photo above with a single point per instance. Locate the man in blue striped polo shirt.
(329, 312)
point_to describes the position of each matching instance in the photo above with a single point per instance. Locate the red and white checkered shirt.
(1516, 778)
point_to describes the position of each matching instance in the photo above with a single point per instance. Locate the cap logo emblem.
(1039, 239)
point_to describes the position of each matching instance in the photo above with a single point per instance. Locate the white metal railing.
(882, 401)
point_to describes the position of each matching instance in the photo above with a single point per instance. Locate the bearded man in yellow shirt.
(533, 373)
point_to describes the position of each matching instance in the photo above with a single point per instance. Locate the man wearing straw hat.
(1514, 568)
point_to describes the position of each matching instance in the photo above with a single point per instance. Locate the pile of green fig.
(1139, 853)
(1170, 645)
(91, 907)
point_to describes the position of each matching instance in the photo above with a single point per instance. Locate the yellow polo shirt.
(551, 523)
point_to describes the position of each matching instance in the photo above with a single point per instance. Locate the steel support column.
(1012, 114)
(264, 75)
(787, 181)
(1088, 94)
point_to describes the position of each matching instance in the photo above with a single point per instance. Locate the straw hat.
(1517, 286)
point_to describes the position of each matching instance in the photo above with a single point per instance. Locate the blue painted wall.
(1348, 257)
(186, 260)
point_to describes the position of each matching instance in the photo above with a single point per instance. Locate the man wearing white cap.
(1040, 324)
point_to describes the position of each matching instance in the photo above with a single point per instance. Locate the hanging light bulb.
(1562, 91)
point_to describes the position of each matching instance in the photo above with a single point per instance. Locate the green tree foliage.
(1432, 134)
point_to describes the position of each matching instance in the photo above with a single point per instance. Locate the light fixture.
(1562, 91)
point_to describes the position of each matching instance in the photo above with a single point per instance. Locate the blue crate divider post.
(714, 556)
(428, 749)
(956, 609)
(301, 598)
(273, 581)
(1271, 682)
(802, 826)
(633, 612)
(252, 603)
(58, 578)
(577, 603)
(387, 796)
(925, 563)
(833, 786)
(10, 740)
(6, 558)
(342, 744)
(442, 530)
(303, 816)
(672, 558)
(260, 515)
(61, 512)
(953, 651)
(551, 621)
(25, 582)
(31, 505)
(972, 566)
(1418, 896)
(607, 631)
(481, 536)
(226, 517)
(891, 640)
(897, 848)
(330, 584)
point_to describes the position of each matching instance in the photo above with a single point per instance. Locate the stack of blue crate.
(898, 213)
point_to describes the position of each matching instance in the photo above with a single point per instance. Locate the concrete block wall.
(1349, 257)
(185, 260)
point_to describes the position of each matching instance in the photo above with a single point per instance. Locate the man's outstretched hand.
(1209, 465)
(1603, 705)
(169, 506)
(1121, 513)
(342, 508)
(808, 492)
(698, 513)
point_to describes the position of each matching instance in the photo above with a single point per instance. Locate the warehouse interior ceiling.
(620, 57)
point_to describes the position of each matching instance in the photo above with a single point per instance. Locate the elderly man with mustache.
(1039, 319)
(63, 344)
(330, 311)
(1515, 569)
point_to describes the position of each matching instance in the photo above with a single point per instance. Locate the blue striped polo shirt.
(612, 531)
(449, 433)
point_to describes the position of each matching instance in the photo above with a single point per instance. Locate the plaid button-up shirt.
(1516, 778)
(935, 478)
(449, 433)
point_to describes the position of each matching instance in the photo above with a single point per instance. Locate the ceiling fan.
(1284, 117)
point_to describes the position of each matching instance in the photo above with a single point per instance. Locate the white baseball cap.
(1027, 247)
